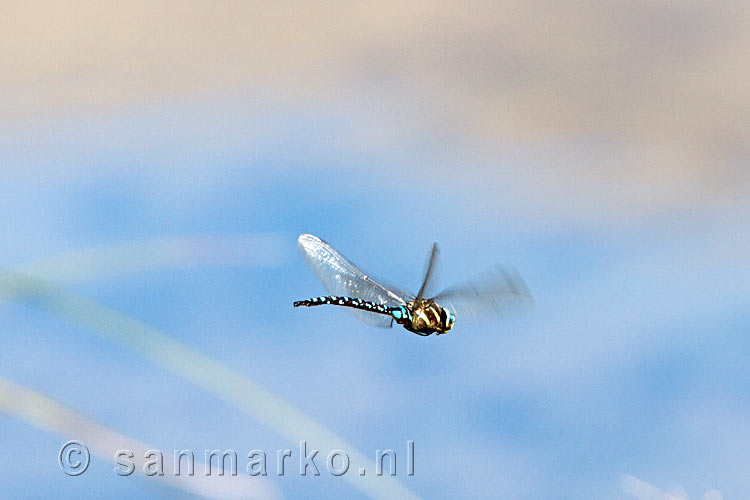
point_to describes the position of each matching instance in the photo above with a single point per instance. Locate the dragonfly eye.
(446, 319)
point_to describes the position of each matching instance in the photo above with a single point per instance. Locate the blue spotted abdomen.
(345, 302)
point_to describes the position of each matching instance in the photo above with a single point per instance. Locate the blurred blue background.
(601, 149)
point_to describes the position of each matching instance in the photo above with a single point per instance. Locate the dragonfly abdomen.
(345, 302)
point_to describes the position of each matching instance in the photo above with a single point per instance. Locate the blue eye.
(450, 316)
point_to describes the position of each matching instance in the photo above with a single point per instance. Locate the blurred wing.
(431, 260)
(342, 278)
(498, 292)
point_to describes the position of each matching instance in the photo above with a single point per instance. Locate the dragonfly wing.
(498, 292)
(431, 260)
(342, 278)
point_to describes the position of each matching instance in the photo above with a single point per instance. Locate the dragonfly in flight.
(496, 292)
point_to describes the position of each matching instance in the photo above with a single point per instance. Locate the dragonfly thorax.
(424, 317)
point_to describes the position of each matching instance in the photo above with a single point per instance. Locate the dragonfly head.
(446, 320)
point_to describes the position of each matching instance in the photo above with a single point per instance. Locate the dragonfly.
(495, 292)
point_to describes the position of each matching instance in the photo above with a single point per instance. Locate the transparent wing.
(498, 292)
(340, 277)
(431, 260)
